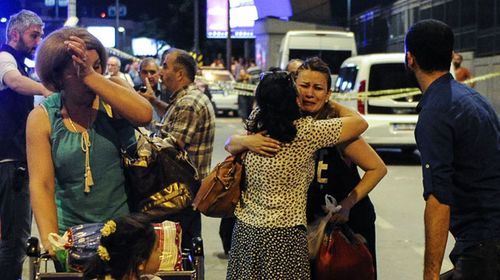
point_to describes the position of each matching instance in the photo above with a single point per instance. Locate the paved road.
(398, 203)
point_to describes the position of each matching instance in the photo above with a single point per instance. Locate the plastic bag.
(316, 230)
(77, 246)
(59, 244)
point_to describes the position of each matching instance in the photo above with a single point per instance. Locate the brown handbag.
(220, 191)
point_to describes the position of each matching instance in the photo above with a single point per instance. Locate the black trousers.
(15, 218)
(479, 260)
(226, 232)
(367, 230)
(190, 222)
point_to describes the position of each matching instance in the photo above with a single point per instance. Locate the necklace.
(85, 146)
(72, 124)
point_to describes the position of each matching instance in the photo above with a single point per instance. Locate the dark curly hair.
(131, 244)
(276, 98)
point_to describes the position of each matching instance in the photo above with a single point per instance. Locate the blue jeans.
(479, 260)
(15, 218)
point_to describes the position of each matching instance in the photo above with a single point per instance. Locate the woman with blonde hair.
(74, 137)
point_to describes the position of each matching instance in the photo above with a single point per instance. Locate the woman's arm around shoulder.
(258, 143)
(41, 174)
(353, 124)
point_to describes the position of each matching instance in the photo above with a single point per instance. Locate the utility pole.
(71, 20)
(196, 39)
(228, 38)
(56, 5)
(348, 14)
(71, 8)
(117, 23)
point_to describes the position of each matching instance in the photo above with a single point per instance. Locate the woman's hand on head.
(262, 144)
(78, 50)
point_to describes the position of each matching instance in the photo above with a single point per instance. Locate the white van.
(333, 47)
(391, 120)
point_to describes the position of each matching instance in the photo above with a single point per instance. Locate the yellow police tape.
(404, 92)
(248, 89)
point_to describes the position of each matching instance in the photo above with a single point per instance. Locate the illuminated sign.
(144, 46)
(105, 34)
(243, 14)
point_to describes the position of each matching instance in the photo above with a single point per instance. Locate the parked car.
(391, 120)
(220, 85)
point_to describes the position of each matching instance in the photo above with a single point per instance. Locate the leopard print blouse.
(276, 187)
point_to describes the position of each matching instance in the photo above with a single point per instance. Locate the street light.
(123, 31)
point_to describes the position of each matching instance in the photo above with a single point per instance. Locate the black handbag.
(161, 179)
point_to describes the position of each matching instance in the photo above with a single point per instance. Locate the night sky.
(172, 20)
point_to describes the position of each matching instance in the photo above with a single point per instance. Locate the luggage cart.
(38, 263)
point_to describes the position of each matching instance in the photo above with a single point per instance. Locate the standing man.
(461, 73)
(133, 71)
(24, 32)
(190, 118)
(458, 136)
(293, 65)
(150, 87)
(114, 64)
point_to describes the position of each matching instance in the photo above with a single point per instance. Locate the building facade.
(476, 25)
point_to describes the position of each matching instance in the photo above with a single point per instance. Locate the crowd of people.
(61, 159)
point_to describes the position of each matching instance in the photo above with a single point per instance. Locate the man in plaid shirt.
(190, 118)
